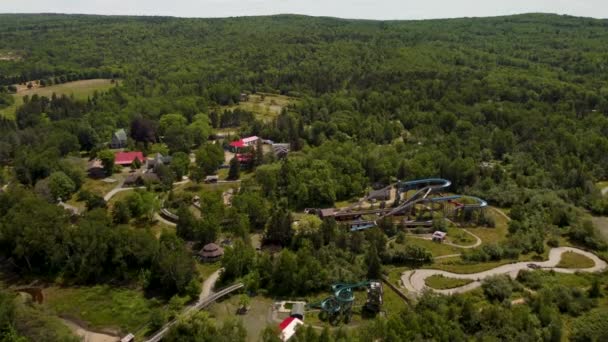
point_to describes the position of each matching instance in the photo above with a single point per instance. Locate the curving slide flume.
(414, 281)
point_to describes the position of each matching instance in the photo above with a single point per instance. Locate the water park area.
(410, 204)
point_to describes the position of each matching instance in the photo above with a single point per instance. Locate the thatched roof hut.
(211, 252)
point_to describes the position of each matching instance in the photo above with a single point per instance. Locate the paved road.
(118, 189)
(414, 281)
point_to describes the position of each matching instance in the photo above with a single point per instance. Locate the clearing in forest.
(264, 106)
(80, 89)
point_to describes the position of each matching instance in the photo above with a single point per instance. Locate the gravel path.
(87, 335)
(414, 281)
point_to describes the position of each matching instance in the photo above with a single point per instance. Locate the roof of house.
(288, 327)
(380, 194)
(211, 250)
(238, 143)
(132, 178)
(439, 234)
(250, 139)
(297, 309)
(127, 158)
(120, 135)
(159, 159)
(244, 142)
(327, 212)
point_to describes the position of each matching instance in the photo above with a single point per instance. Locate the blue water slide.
(435, 183)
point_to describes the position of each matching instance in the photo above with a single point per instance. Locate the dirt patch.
(87, 335)
(9, 56)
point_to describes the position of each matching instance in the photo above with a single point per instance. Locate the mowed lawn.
(80, 89)
(121, 309)
(440, 282)
(575, 260)
(265, 106)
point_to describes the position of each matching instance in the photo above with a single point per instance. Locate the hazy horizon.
(354, 9)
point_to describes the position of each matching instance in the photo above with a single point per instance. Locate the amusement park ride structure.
(340, 304)
(427, 194)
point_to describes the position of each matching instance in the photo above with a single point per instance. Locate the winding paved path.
(414, 281)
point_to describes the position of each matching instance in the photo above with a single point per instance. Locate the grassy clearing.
(254, 321)
(575, 260)
(80, 89)
(492, 235)
(393, 304)
(457, 265)
(206, 269)
(601, 185)
(440, 282)
(265, 106)
(460, 237)
(437, 249)
(124, 310)
(601, 224)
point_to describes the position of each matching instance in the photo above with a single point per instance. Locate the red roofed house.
(288, 327)
(127, 158)
(245, 142)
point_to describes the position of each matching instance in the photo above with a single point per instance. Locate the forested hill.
(297, 53)
(526, 92)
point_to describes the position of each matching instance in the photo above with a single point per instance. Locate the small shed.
(297, 311)
(439, 236)
(211, 252)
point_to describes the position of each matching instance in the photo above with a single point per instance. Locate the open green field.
(575, 260)
(436, 249)
(119, 309)
(254, 321)
(265, 106)
(440, 282)
(492, 235)
(80, 89)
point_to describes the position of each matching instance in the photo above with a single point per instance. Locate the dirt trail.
(87, 335)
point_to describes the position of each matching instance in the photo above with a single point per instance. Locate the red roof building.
(237, 144)
(127, 158)
(245, 142)
(288, 327)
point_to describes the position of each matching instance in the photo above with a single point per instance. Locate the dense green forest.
(511, 109)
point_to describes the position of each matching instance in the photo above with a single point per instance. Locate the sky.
(360, 9)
